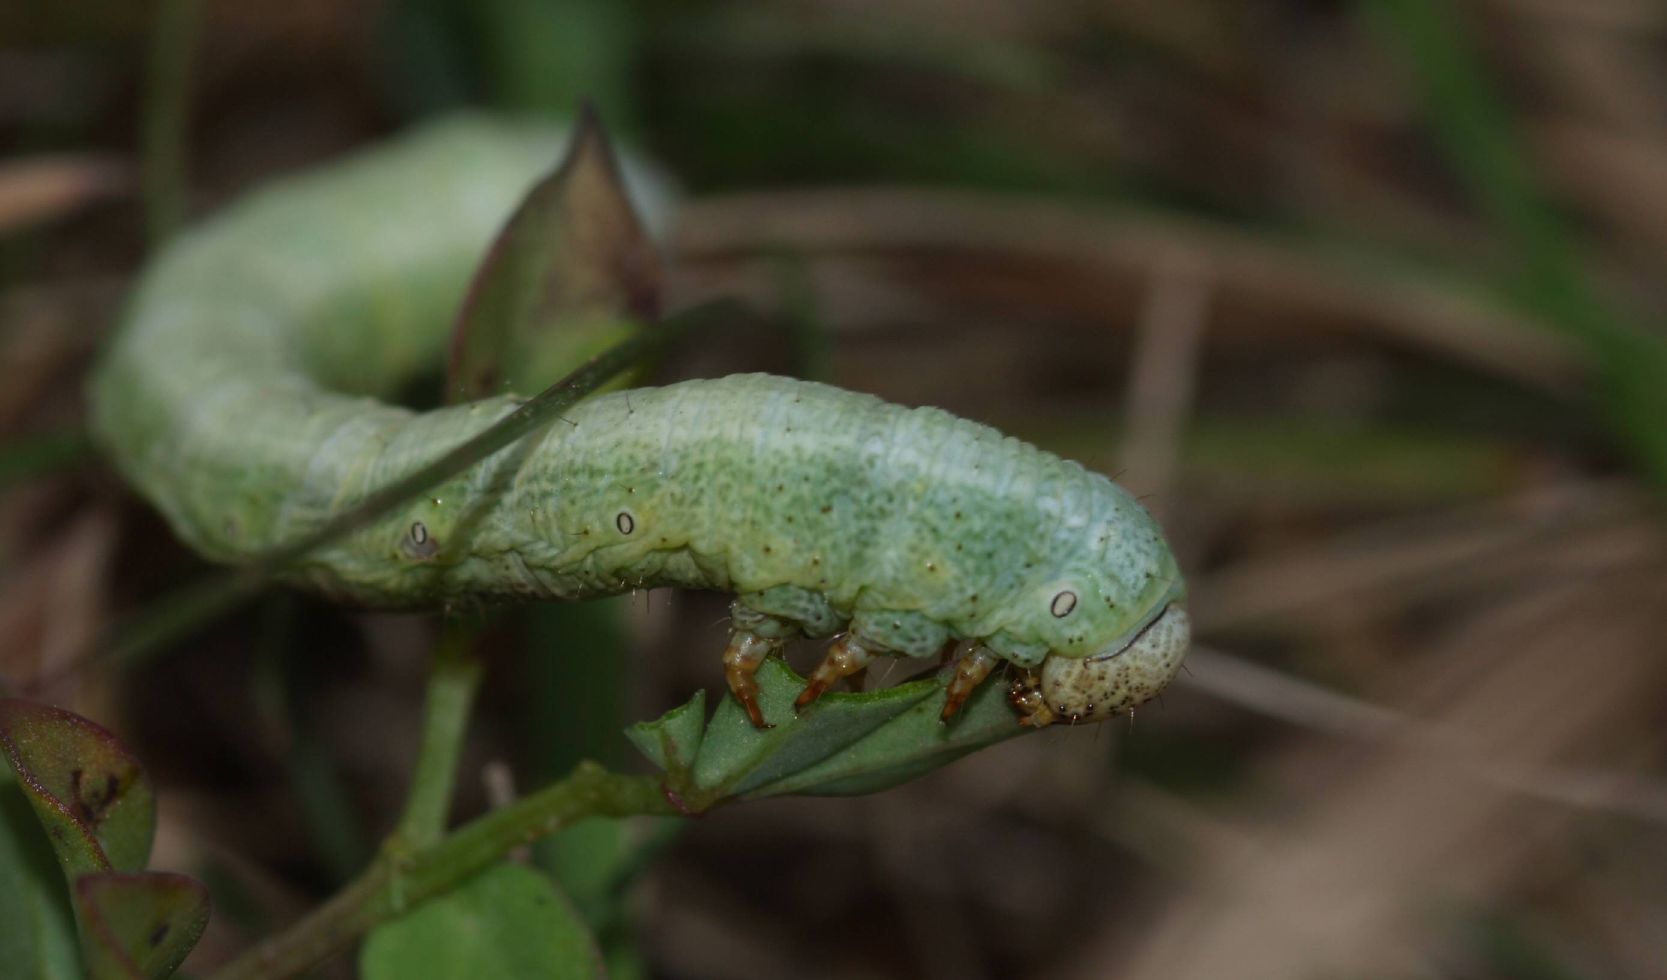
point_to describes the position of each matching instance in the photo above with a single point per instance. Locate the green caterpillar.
(242, 396)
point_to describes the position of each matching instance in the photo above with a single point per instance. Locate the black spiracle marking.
(420, 544)
(625, 522)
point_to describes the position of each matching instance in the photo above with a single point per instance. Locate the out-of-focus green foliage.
(1546, 276)
(506, 923)
(544, 56)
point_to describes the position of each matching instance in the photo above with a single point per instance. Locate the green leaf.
(90, 793)
(508, 922)
(37, 927)
(139, 926)
(673, 740)
(739, 759)
(536, 59)
(572, 272)
(910, 745)
(843, 744)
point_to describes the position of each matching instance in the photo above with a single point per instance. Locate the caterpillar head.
(1107, 682)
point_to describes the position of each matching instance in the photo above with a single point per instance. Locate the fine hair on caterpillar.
(244, 397)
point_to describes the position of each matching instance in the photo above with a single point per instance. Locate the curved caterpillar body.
(241, 397)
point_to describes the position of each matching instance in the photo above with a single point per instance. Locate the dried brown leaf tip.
(571, 272)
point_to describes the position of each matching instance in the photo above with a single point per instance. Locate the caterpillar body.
(242, 396)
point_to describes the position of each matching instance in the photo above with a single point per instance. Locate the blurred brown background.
(1364, 298)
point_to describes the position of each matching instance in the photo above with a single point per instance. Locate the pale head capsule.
(1098, 686)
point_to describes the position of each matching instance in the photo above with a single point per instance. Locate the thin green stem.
(167, 101)
(453, 681)
(399, 881)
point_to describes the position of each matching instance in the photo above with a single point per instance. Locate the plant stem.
(167, 103)
(398, 881)
(453, 681)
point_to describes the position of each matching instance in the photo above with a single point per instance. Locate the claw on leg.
(845, 657)
(741, 659)
(970, 671)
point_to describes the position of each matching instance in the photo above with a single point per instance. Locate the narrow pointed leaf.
(139, 926)
(845, 744)
(910, 745)
(506, 923)
(738, 758)
(572, 272)
(90, 793)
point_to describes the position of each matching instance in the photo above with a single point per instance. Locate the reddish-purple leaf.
(572, 273)
(139, 926)
(89, 792)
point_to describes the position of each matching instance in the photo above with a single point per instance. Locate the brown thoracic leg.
(1025, 695)
(970, 671)
(741, 659)
(844, 658)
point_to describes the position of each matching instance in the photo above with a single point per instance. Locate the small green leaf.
(508, 922)
(843, 745)
(139, 926)
(37, 927)
(737, 758)
(673, 740)
(570, 274)
(90, 793)
(910, 745)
